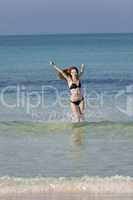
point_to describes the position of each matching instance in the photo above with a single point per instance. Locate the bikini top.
(74, 86)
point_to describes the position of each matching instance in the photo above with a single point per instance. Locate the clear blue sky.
(65, 16)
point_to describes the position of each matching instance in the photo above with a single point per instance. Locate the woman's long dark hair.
(67, 71)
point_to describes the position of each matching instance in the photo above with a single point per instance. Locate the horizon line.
(73, 33)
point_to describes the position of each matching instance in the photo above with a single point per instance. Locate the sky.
(65, 16)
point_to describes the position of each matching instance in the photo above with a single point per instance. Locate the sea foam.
(87, 185)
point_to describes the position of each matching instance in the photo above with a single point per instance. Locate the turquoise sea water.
(40, 147)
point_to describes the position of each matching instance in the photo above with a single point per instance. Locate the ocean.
(43, 154)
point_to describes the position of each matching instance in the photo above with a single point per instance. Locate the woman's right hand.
(52, 62)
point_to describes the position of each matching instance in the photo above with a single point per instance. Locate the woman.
(72, 75)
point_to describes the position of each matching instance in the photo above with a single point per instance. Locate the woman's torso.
(75, 89)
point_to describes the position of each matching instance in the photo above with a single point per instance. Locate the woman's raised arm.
(58, 69)
(82, 67)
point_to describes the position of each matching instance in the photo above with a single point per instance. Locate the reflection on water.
(78, 136)
(77, 148)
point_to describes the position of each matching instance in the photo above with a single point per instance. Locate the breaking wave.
(90, 185)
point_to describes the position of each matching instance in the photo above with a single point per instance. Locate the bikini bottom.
(77, 102)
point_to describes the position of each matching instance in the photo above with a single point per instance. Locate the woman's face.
(74, 72)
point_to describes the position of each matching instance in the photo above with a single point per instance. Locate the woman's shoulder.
(69, 81)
